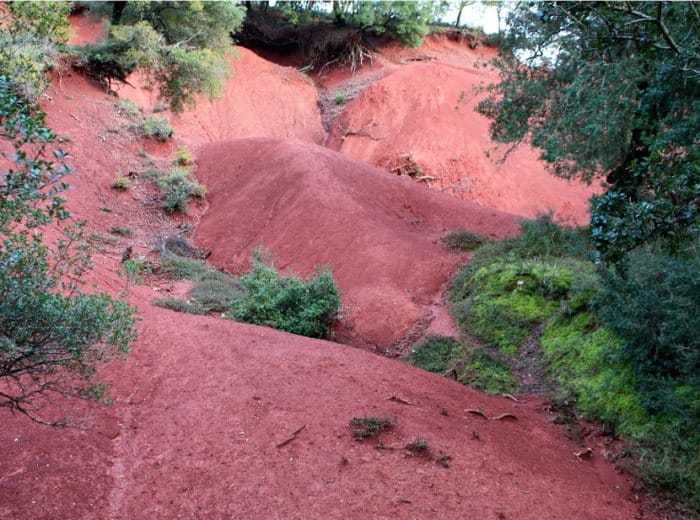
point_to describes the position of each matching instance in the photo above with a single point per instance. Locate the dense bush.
(177, 188)
(52, 336)
(305, 307)
(155, 127)
(30, 39)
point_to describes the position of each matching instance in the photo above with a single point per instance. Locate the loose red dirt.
(312, 207)
(420, 120)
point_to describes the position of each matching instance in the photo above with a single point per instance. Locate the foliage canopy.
(180, 46)
(610, 89)
(51, 334)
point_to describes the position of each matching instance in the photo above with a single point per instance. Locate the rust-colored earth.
(204, 405)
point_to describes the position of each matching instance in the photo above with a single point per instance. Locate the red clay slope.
(260, 99)
(202, 405)
(426, 110)
(311, 206)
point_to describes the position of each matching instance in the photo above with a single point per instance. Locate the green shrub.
(155, 127)
(340, 100)
(30, 41)
(177, 188)
(183, 156)
(464, 240)
(128, 108)
(304, 307)
(178, 305)
(121, 183)
(52, 336)
(215, 295)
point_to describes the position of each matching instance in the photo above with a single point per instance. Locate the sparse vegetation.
(121, 182)
(340, 99)
(154, 127)
(128, 108)
(122, 231)
(464, 240)
(418, 446)
(183, 156)
(370, 426)
(177, 188)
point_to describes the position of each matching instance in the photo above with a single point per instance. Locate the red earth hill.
(420, 120)
(311, 206)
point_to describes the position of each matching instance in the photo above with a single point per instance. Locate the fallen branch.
(513, 398)
(494, 418)
(291, 437)
(398, 399)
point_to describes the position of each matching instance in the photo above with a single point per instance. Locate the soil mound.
(311, 206)
(261, 99)
(203, 408)
(420, 121)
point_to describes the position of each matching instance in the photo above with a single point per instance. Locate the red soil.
(202, 404)
(311, 206)
(261, 99)
(386, 127)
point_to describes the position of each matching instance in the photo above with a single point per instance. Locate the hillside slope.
(203, 404)
(312, 207)
(420, 120)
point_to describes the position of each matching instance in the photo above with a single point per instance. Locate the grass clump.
(178, 305)
(464, 240)
(474, 367)
(419, 446)
(369, 426)
(305, 307)
(155, 127)
(122, 231)
(183, 156)
(177, 188)
(128, 108)
(121, 183)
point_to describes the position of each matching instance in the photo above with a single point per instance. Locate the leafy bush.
(30, 39)
(52, 336)
(155, 127)
(305, 307)
(121, 183)
(128, 108)
(464, 240)
(177, 188)
(182, 156)
(182, 50)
